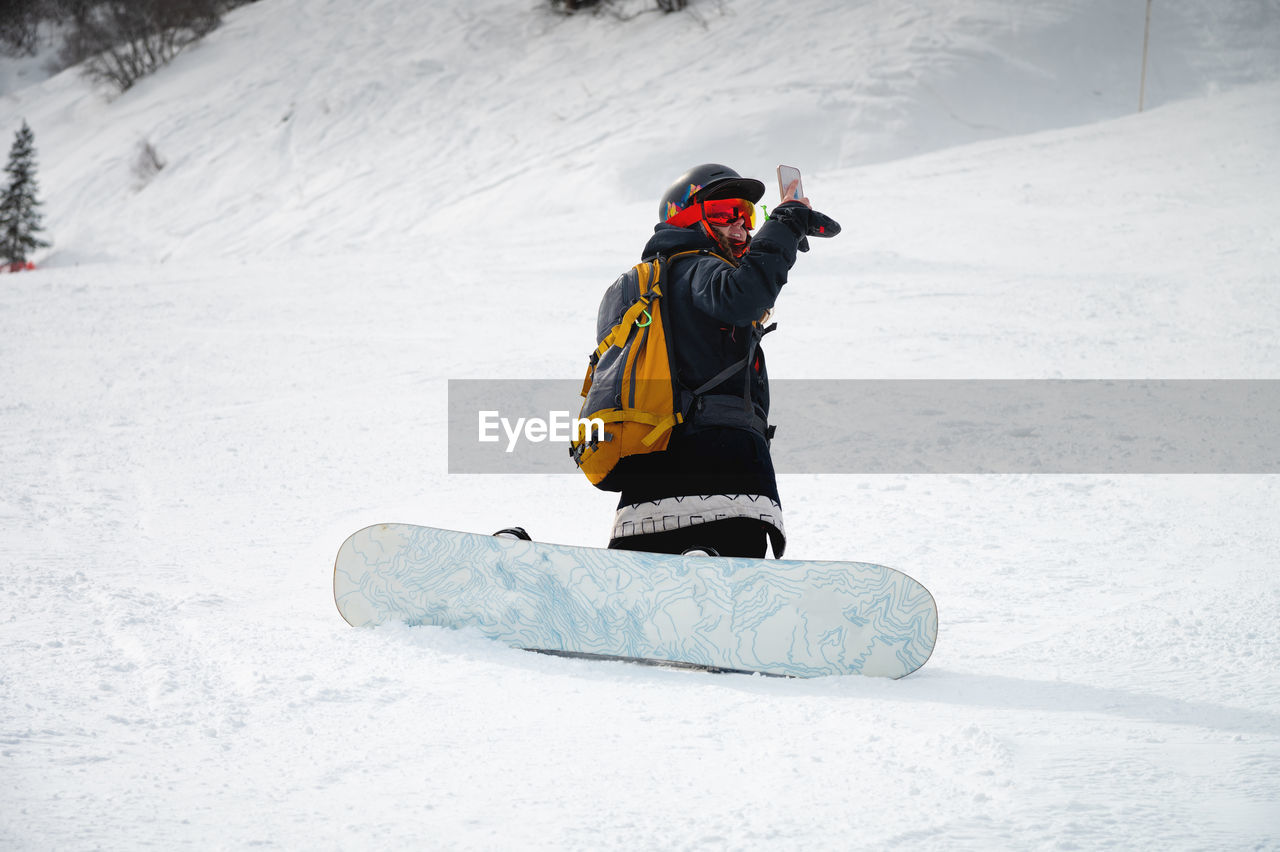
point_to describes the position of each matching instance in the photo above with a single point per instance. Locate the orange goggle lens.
(727, 210)
(719, 212)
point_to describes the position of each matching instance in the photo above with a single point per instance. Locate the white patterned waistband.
(673, 513)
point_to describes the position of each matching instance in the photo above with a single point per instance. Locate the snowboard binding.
(513, 532)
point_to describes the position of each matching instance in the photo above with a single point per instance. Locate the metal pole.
(1146, 37)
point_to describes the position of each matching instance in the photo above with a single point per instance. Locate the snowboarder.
(713, 489)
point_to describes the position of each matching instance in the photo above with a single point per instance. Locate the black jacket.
(712, 306)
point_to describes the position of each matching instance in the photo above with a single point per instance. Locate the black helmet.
(706, 183)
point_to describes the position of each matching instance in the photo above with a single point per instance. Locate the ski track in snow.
(219, 374)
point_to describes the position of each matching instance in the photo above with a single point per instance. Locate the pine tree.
(19, 213)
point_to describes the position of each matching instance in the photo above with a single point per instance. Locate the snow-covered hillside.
(324, 127)
(219, 372)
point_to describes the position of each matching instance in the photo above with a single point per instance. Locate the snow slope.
(390, 125)
(220, 372)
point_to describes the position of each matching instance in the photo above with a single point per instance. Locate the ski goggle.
(724, 211)
(721, 211)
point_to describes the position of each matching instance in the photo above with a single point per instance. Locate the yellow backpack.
(630, 393)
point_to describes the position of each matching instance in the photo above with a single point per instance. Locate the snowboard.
(773, 617)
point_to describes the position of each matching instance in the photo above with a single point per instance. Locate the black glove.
(805, 222)
(822, 225)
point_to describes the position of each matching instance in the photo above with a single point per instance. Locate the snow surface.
(222, 369)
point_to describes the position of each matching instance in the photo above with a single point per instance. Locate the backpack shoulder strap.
(647, 275)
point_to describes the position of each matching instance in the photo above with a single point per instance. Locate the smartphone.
(786, 175)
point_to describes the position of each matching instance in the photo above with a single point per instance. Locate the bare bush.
(568, 7)
(147, 163)
(121, 41)
(617, 8)
(19, 26)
